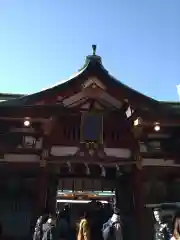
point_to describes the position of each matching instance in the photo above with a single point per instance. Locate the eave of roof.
(11, 95)
(174, 107)
(22, 99)
(92, 62)
(170, 103)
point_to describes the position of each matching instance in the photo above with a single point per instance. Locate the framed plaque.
(92, 128)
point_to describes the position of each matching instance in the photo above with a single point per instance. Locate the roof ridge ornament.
(94, 47)
(93, 58)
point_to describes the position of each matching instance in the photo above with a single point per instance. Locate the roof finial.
(94, 49)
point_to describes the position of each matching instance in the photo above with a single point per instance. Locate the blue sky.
(45, 41)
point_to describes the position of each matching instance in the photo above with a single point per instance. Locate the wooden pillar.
(41, 190)
(124, 194)
(46, 190)
(52, 194)
(138, 202)
(124, 201)
(51, 185)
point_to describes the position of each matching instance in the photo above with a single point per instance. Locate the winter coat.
(83, 233)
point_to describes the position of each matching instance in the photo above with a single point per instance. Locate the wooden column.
(49, 180)
(124, 201)
(46, 189)
(138, 202)
(137, 183)
(124, 194)
(41, 190)
(52, 193)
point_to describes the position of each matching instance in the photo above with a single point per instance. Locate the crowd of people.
(166, 227)
(94, 223)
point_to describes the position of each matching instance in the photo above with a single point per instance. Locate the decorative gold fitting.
(43, 163)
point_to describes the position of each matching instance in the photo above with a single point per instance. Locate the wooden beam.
(10, 150)
(160, 172)
(107, 161)
(23, 168)
(43, 111)
(32, 111)
(155, 155)
(137, 183)
(21, 119)
(150, 117)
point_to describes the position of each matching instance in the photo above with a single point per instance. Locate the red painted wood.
(41, 190)
(139, 203)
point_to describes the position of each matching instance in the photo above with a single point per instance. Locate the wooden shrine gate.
(123, 185)
(90, 127)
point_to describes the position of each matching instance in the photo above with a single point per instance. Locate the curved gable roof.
(93, 67)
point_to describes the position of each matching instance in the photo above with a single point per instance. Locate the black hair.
(177, 213)
(117, 211)
(157, 210)
(61, 213)
(176, 224)
(44, 211)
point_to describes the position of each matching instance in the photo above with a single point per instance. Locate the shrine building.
(91, 133)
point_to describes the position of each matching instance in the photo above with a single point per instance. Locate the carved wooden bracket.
(93, 82)
(93, 93)
(49, 125)
(137, 131)
(43, 163)
(44, 157)
(45, 154)
(91, 149)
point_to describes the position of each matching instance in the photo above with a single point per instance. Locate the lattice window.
(71, 133)
(29, 142)
(115, 135)
(154, 146)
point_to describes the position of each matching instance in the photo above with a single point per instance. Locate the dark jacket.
(62, 229)
(38, 227)
(48, 232)
(56, 232)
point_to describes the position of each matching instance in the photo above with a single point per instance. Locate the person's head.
(99, 204)
(176, 229)
(44, 211)
(67, 207)
(52, 219)
(86, 211)
(86, 214)
(61, 214)
(117, 211)
(157, 215)
(176, 224)
(177, 214)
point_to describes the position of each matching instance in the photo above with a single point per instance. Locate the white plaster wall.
(111, 152)
(63, 151)
(118, 152)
